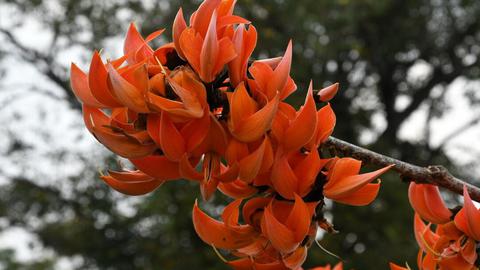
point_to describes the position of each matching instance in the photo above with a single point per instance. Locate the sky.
(40, 118)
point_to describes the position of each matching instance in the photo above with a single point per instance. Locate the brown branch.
(436, 175)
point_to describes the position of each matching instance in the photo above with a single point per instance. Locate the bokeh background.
(408, 70)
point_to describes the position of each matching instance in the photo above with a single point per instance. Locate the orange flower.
(345, 185)
(206, 54)
(326, 120)
(252, 158)
(198, 109)
(248, 121)
(83, 85)
(427, 202)
(127, 142)
(278, 237)
(244, 41)
(301, 126)
(157, 166)
(446, 248)
(468, 219)
(136, 49)
(327, 93)
(132, 182)
(296, 173)
(191, 97)
(272, 76)
(286, 225)
(227, 234)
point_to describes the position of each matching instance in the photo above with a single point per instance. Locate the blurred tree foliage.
(369, 46)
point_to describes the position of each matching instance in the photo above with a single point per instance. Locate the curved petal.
(244, 42)
(203, 15)
(191, 44)
(468, 219)
(196, 131)
(242, 106)
(307, 171)
(159, 104)
(236, 151)
(172, 142)
(208, 187)
(302, 129)
(228, 173)
(225, 55)
(230, 19)
(210, 51)
(283, 178)
(281, 237)
(79, 84)
(281, 72)
(153, 127)
(468, 252)
(268, 157)
(425, 237)
(133, 188)
(217, 234)
(119, 143)
(251, 164)
(252, 208)
(237, 189)
(428, 203)
(262, 74)
(350, 184)
(326, 120)
(299, 219)
(179, 25)
(216, 139)
(126, 92)
(130, 176)
(157, 166)
(342, 168)
(97, 81)
(296, 259)
(361, 197)
(231, 213)
(256, 125)
(137, 75)
(327, 93)
(191, 102)
(188, 171)
(133, 43)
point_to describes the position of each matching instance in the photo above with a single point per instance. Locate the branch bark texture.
(436, 175)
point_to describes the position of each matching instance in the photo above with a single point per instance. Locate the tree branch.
(436, 175)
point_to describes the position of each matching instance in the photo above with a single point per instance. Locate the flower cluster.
(454, 242)
(199, 109)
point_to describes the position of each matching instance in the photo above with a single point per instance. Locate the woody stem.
(436, 175)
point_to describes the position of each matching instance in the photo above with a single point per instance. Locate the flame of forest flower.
(428, 203)
(452, 244)
(199, 108)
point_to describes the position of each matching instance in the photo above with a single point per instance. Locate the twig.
(436, 175)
